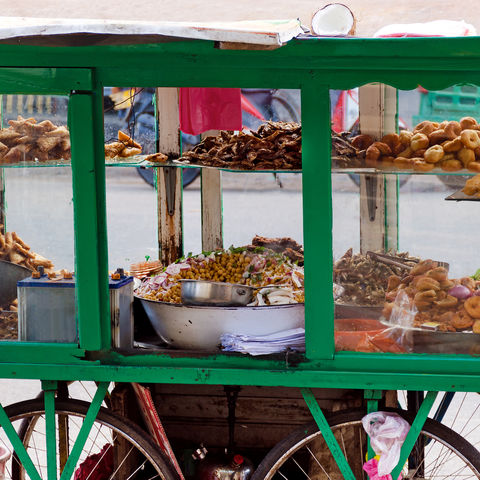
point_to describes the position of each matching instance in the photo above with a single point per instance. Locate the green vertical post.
(327, 434)
(49, 388)
(317, 220)
(372, 397)
(88, 172)
(414, 432)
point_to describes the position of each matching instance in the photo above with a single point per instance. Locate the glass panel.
(36, 239)
(129, 119)
(267, 206)
(422, 288)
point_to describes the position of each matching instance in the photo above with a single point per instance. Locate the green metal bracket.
(50, 387)
(328, 435)
(414, 431)
(85, 430)
(18, 446)
(372, 397)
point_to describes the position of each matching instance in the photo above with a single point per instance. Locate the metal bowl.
(10, 273)
(220, 294)
(200, 328)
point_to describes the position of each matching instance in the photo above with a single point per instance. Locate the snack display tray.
(134, 161)
(398, 171)
(430, 341)
(459, 196)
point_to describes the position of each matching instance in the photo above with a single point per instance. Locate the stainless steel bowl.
(10, 274)
(220, 294)
(200, 328)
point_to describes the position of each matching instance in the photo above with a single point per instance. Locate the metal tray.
(430, 341)
(10, 273)
(357, 311)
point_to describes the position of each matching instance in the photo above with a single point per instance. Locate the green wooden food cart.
(315, 66)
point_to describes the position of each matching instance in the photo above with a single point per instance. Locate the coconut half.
(334, 19)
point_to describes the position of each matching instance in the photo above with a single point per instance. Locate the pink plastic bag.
(371, 467)
(387, 432)
(203, 109)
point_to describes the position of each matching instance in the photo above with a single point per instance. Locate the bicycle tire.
(290, 450)
(142, 455)
(291, 113)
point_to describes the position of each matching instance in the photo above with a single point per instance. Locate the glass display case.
(375, 192)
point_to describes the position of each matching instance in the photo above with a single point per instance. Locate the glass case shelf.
(134, 161)
(395, 171)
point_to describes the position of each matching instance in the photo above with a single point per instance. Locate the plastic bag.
(387, 432)
(436, 28)
(371, 467)
(398, 337)
(203, 109)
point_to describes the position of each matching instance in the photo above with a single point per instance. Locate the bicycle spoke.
(301, 469)
(318, 463)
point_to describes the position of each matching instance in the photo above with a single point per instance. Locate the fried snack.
(14, 155)
(3, 149)
(14, 249)
(419, 141)
(453, 129)
(472, 306)
(452, 145)
(425, 127)
(8, 136)
(438, 136)
(472, 185)
(46, 144)
(451, 165)
(275, 145)
(405, 137)
(130, 151)
(58, 132)
(156, 158)
(393, 141)
(128, 141)
(403, 162)
(113, 149)
(434, 154)
(419, 165)
(474, 166)
(407, 153)
(468, 123)
(466, 156)
(470, 139)
(362, 142)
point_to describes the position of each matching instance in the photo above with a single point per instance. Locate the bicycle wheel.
(438, 453)
(115, 448)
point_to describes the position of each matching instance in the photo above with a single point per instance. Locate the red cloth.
(98, 466)
(203, 109)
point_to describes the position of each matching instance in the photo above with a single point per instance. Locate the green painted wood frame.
(314, 66)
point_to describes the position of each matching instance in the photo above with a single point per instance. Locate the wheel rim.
(311, 458)
(107, 454)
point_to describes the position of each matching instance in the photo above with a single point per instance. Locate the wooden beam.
(169, 180)
(212, 221)
(378, 204)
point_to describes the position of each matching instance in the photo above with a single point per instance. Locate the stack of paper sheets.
(293, 339)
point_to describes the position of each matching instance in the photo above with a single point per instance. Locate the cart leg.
(84, 430)
(49, 387)
(328, 435)
(414, 432)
